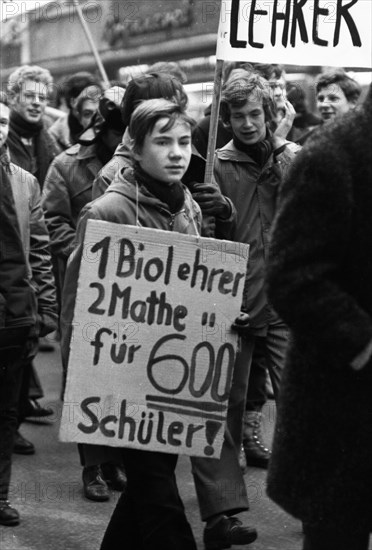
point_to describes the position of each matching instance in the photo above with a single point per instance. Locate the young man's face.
(277, 86)
(166, 155)
(331, 101)
(88, 108)
(248, 122)
(31, 101)
(4, 123)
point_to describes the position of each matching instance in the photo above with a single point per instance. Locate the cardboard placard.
(298, 32)
(152, 351)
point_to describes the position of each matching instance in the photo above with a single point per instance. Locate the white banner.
(296, 32)
(152, 351)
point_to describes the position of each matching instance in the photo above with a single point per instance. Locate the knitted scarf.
(260, 152)
(45, 149)
(172, 194)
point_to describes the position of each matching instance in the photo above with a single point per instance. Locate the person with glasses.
(32, 148)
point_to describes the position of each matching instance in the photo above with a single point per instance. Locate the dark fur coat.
(320, 282)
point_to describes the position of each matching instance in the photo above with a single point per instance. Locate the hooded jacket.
(254, 190)
(126, 203)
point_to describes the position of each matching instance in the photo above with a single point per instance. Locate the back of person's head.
(348, 85)
(296, 95)
(147, 114)
(243, 86)
(168, 67)
(29, 72)
(76, 83)
(151, 86)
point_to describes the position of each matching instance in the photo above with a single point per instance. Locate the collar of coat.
(82, 151)
(231, 153)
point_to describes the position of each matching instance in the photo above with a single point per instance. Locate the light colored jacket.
(254, 191)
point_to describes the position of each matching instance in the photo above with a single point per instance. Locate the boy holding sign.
(150, 513)
(249, 171)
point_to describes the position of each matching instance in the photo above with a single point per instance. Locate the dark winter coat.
(67, 188)
(46, 149)
(320, 282)
(35, 241)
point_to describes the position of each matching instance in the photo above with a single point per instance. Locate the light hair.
(28, 72)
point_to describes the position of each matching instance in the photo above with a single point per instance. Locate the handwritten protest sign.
(305, 32)
(152, 352)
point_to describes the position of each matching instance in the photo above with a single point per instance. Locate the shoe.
(34, 409)
(22, 446)
(95, 487)
(114, 475)
(256, 453)
(8, 514)
(226, 532)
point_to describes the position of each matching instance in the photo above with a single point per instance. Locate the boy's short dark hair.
(240, 87)
(348, 85)
(149, 112)
(151, 86)
(73, 85)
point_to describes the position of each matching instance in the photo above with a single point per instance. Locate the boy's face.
(4, 123)
(31, 100)
(166, 155)
(331, 101)
(88, 108)
(248, 122)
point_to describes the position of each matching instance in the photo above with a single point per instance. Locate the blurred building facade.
(125, 33)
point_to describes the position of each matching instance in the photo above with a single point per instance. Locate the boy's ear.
(226, 124)
(353, 103)
(133, 150)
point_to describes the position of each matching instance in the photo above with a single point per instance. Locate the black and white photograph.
(186, 275)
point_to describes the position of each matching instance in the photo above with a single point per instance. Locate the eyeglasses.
(32, 97)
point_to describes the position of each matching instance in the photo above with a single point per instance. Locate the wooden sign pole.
(213, 127)
(91, 43)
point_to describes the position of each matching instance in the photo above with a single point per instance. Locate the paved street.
(47, 491)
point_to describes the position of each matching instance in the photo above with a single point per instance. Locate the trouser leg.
(276, 346)
(92, 455)
(256, 394)
(30, 389)
(219, 484)
(150, 514)
(10, 383)
(35, 390)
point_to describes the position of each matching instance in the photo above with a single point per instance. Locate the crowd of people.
(293, 185)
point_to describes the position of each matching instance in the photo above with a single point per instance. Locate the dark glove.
(211, 200)
(241, 323)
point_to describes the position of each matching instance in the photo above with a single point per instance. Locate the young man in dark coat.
(32, 148)
(27, 296)
(319, 281)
